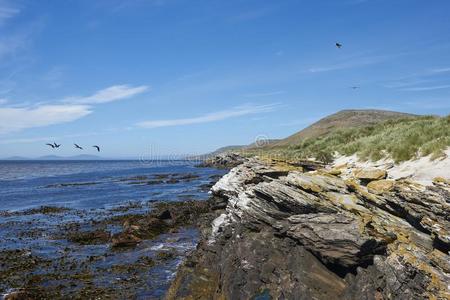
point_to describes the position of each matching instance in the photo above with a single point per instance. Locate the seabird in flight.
(355, 87)
(339, 45)
(51, 145)
(97, 147)
(78, 147)
(56, 145)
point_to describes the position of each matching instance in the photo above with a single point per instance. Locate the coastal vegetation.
(400, 139)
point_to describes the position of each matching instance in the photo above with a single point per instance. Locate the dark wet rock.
(139, 178)
(89, 237)
(71, 184)
(223, 161)
(166, 255)
(164, 215)
(16, 266)
(162, 176)
(172, 180)
(188, 177)
(46, 210)
(127, 206)
(124, 239)
(154, 182)
(146, 261)
(293, 235)
(23, 294)
(160, 179)
(113, 268)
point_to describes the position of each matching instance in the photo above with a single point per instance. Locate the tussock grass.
(401, 140)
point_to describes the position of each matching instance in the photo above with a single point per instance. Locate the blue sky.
(188, 76)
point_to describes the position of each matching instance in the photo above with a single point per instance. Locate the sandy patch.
(422, 170)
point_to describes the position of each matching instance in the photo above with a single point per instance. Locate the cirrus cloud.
(110, 94)
(7, 11)
(14, 119)
(211, 117)
(17, 118)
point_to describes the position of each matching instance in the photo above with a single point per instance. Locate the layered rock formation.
(289, 234)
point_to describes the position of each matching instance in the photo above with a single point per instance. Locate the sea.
(88, 192)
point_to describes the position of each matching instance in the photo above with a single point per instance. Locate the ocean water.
(93, 191)
(93, 184)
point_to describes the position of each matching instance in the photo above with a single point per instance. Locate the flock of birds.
(55, 146)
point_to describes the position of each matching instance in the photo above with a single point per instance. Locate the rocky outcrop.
(226, 160)
(287, 234)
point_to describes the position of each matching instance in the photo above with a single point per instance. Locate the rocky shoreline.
(280, 231)
(127, 251)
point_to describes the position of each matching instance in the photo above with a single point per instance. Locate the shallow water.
(94, 191)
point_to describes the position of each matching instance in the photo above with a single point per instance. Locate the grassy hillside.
(401, 139)
(340, 120)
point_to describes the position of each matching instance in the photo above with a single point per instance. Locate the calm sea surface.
(92, 184)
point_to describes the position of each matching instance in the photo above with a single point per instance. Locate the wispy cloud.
(266, 94)
(7, 11)
(12, 43)
(16, 119)
(413, 81)
(440, 70)
(110, 94)
(3, 101)
(234, 112)
(426, 88)
(53, 77)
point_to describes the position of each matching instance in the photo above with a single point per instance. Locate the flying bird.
(339, 45)
(56, 145)
(78, 147)
(355, 87)
(97, 147)
(51, 145)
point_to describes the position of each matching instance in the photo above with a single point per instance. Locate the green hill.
(371, 134)
(341, 120)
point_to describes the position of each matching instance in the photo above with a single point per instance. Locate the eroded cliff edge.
(278, 232)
